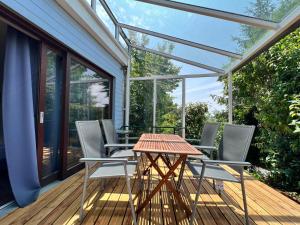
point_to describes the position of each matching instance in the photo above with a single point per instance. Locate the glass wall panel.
(89, 99)
(53, 112)
(205, 101)
(141, 106)
(169, 106)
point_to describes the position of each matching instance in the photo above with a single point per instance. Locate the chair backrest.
(235, 142)
(209, 133)
(109, 131)
(91, 139)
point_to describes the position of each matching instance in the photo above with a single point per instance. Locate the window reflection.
(89, 99)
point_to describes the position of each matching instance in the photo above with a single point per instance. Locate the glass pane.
(214, 32)
(105, 18)
(273, 10)
(180, 50)
(52, 114)
(141, 106)
(169, 106)
(205, 101)
(89, 99)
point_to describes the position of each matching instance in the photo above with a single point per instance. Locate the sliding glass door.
(50, 116)
(89, 99)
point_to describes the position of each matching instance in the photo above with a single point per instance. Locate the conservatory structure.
(137, 64)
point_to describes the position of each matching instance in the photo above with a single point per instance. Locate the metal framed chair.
(208, 136)
(92, 144)
(115, 149)
(232, 152)
(206, 143)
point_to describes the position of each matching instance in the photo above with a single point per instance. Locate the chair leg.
(244, 198)
(194, 209)
(131, 200)
(84, 192)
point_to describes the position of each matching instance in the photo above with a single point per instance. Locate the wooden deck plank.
(60, 205)
(108, 211)
(22, 215)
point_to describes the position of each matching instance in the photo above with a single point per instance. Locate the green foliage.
(141, 92)
(264, 9)
(295, 113)
(196, 116)
(262, 90)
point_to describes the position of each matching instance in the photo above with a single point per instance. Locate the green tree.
(141, 92)
(263, 9)
(196, 116)
(261, 94)
(295, 113)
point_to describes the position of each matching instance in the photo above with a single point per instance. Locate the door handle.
(41, 117)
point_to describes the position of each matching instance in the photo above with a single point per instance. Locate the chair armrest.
(119, 145)
(208, 148)
(122, 160)
(229, 163)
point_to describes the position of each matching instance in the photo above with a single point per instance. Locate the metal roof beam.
(182, 41)
(170, 76)
(234, 17)
(193, 63)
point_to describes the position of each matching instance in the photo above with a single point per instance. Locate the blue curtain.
(18, 119)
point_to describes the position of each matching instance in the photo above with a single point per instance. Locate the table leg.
(165, 181)
(148, 168)
(181, 175)
(168, 164)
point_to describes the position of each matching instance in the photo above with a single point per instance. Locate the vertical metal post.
(154, 104)
(230, 108)
(183, 108)
(93, 4)
(117, 32)
(127, 100)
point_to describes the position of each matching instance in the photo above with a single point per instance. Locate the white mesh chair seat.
(114, 170)
(124, 154)
(212, 171)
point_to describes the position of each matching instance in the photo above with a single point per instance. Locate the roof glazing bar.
(182, 41)
(115, 21)
(193, 63)
(215, 13)
(165, 77)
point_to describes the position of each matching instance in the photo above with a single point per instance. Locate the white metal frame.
(277, 30)
(234, 17)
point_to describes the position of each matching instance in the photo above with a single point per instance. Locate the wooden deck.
(110, 206)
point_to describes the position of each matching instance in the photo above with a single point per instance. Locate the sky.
(205, 30)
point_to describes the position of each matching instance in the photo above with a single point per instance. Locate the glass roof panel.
(214, 32)
(180, 50)
(273, 10)
(218, 33)
(105, 17)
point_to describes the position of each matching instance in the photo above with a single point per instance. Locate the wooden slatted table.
(164, 145)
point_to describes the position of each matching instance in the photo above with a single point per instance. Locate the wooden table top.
(165, 143)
